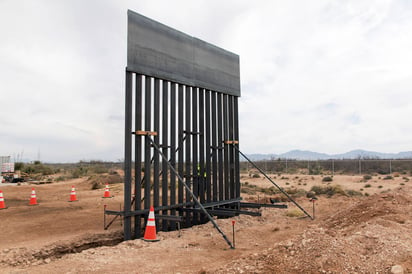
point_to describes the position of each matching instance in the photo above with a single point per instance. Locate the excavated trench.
(24, 257)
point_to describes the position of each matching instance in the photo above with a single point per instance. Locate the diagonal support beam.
(267, 177)
(191, 193)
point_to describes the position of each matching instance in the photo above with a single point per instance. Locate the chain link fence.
(333, 166)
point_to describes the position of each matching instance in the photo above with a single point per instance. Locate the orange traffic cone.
(33, 199)
(2, 204)
(73, 197)
(107, 192)
(150, 231)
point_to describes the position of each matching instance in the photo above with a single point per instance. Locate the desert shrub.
(60, 179)
(271, 190)
(380, 186)
(367, 177)
(99, 169)
(294, 213)
(327, 179)
(367, 185)
(316, 170)
(99, 181)
(256, 175)
(298, 192)
(351, 192)
(37, 168)
(248, 189)
(367, 194)
(329, 190)
(18, 166)
(79, 172)
(388, 177)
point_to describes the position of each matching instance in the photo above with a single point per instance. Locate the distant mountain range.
(310, 155)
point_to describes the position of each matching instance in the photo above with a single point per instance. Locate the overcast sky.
(325, 76)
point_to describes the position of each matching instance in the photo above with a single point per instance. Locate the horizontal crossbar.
(231, 142)
(257, 205)
(170, 218)
(143, 132)
(219, 203)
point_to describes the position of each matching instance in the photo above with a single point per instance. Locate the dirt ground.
(350, 234)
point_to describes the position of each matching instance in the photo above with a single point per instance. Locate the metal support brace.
(191, 193)
(152, 133)
(267, 177)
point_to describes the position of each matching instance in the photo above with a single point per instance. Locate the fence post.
(286, 164)
(360, 167)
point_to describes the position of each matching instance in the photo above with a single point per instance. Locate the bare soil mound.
(370, 236)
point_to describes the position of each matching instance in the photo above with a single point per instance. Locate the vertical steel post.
(180, 152)
(138, 156)
(165, 147)
(231, 150)
(195, 161)
(128, 154)
(188, 169)
(207, 150)
(202, 133)
(226, 146)
(236, 134)
(156, 120)
(173, 147)
(214, 149)
(220, 144)
(147, 125)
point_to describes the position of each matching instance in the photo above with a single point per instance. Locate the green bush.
(79, 172)
(329, 190)
(315, 170)
(99, 169)
(295, 213)
(327, 179)
(367, 177)
(60, 178)
(367, 185)
(351, 192)
(18, 166)
(37, 168)
(388, 177)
